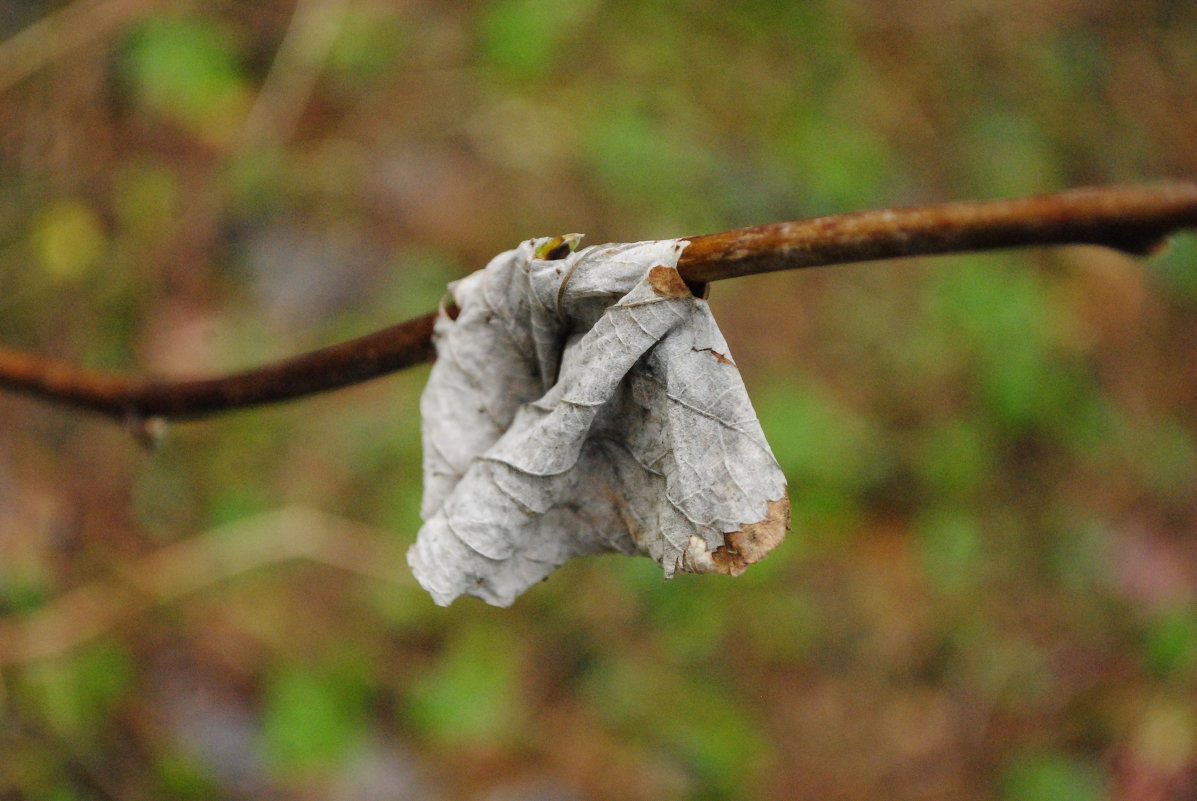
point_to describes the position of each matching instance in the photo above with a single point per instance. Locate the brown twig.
(174, 571)
(134, 400)
(1135, 220)
(57, 35)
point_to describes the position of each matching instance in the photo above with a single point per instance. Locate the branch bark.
(1135, 220)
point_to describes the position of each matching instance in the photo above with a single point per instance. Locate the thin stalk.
(1134, 220)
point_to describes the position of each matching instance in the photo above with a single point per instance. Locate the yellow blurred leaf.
(67, 239)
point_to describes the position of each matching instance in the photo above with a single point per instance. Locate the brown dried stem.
(172, 572)
(1135, 220)
(134, 400)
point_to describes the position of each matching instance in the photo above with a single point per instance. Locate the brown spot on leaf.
(667, 282)
(719, 357)
(756, 539)
(741, 548)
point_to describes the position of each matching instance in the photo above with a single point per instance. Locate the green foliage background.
(989, 590)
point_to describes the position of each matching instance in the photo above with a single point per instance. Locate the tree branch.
(1135, 220)
(135, 400)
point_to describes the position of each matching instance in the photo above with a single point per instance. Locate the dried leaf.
(581, 404)
(667, 282)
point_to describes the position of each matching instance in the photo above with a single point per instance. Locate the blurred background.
(989, 591)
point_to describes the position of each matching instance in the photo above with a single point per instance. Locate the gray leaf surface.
(586, 405)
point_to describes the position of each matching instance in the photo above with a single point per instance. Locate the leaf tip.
(741, 548)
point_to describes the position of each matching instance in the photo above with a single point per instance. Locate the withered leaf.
(575, 408)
